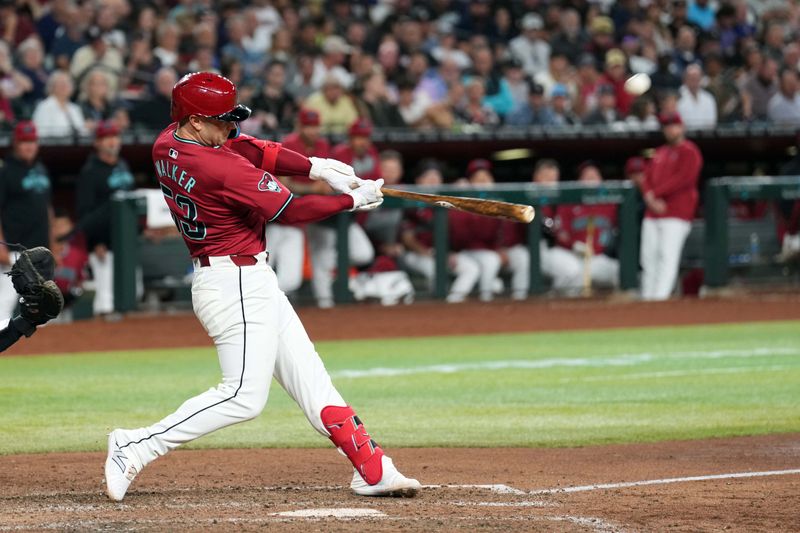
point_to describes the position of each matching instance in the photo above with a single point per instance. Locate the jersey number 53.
(187, 220)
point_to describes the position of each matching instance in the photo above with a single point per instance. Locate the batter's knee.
(248, 402)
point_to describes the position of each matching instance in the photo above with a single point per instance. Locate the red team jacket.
(672, 176)
(220, 197)
(571, 223)
(473, 232)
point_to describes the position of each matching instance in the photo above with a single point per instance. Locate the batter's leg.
(238, 307)
(302, 374)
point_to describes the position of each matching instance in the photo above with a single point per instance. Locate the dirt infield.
(740, 484)
(421, 319)
(267, 489)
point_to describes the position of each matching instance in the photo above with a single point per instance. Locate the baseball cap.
(601, 24)
(587, 60)
(106, 128)
(308, 117)
(615, 57)
(478, 164)
(559, 89)
(361, 127)
(535, 88)
(532, 21)
(634, 164)
(668, 119)
(334, 44)
(25, 131)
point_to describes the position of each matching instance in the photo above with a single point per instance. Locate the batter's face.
(210, 131)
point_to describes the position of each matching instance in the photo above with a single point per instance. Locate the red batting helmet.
(208, 95)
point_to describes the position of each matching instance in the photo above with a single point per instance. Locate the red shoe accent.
(348, 434)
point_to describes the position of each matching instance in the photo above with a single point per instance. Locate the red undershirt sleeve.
(314, 207)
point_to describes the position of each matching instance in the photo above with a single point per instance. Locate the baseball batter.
(221, 189)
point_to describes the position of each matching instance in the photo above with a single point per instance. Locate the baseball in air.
(637, 84)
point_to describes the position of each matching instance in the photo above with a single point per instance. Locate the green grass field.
(537, 389)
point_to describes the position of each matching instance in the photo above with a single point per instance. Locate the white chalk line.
(681, 373)
(665, 481)
(591, 522)
(621, 360)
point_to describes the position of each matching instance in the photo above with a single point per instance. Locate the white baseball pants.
(8, 296)
(322, 244)
(660, 255)
(564, 267)
(258, 335)
(489, 263)
(286, 245)
(103, 275)
(466, 271)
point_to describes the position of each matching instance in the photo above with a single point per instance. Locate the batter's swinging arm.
(489, 208)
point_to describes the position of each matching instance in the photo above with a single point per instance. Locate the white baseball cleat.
(392, 483)
(120, 470)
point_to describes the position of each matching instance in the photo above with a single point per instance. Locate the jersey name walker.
(219, 197)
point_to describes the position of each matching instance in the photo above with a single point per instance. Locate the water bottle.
(755, 248)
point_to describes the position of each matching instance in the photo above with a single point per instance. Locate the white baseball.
(637, 84)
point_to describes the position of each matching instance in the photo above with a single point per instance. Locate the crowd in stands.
(445, 64)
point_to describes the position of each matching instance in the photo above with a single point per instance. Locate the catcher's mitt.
(32, 275)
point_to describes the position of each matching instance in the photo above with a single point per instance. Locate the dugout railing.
(128, 210)
(719, 193)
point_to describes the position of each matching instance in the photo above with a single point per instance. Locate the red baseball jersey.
(420, 221)
(293, 141)
(572, 222)
(473, 232)
(367, 167)
(220, 196)
(672, 176)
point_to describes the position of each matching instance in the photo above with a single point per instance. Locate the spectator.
(571, 39)
(104, 173)
(446, 50)
(701, 13)
(301, 86)
(588, 83)
(252, 60)
(97, 54)
(784, 107)
(334, 51)
(167, 41)
(140, 70)
(558, 71)
(31, 66)
(774, 41)
(723, 88)
(476, 237)
(695, 103)
(436, 83)
(665, 77)
(273, 107)
(615, 76)
(759, 88)
(601, 35)
(97, 104)
(643, 115)
(670, 194)
(358, 151)
(416, 235)
(472, 110)
(560, 103)
(376, 104)
(68, 39)
(497, 93)
(15, 24)
(531, 47)
(25, 210)
(685, 48)
(514, 77)
(56, 115)
(536, 112)
(13, 84)
(335, 107)
(154, 113)
(606, 113)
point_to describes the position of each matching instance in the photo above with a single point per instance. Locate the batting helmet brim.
(237, 114)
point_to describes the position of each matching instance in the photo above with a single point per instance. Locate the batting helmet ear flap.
(235, 131)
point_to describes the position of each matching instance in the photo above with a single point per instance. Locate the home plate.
(344, 512)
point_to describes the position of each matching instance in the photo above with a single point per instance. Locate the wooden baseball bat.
(587, 258)
(489, 208)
